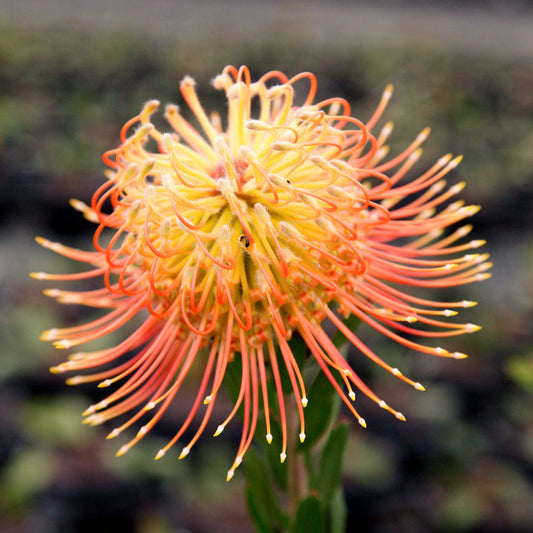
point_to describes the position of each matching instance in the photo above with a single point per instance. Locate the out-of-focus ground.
(71, 73)
(499, 29)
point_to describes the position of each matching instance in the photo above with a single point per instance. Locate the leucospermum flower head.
(228, 240)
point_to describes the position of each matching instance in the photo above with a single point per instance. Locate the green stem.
(297, 481)
(304, 494)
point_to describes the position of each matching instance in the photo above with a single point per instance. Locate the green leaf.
(339, 340)
(257, 513)
(232, 382)
(260, 497)
(233, 377)
(323, 406)
(330, 474)
(338, 512)
(278, 469)
(520, 370)
(309, 516)
(300, 352)
(272, 451)
(30, 472)
(63, 414)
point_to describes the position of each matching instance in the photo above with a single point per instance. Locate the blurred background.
(73, 71)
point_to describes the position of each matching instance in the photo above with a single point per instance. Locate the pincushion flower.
(228, 241)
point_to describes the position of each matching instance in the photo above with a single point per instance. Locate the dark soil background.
(72, 72)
